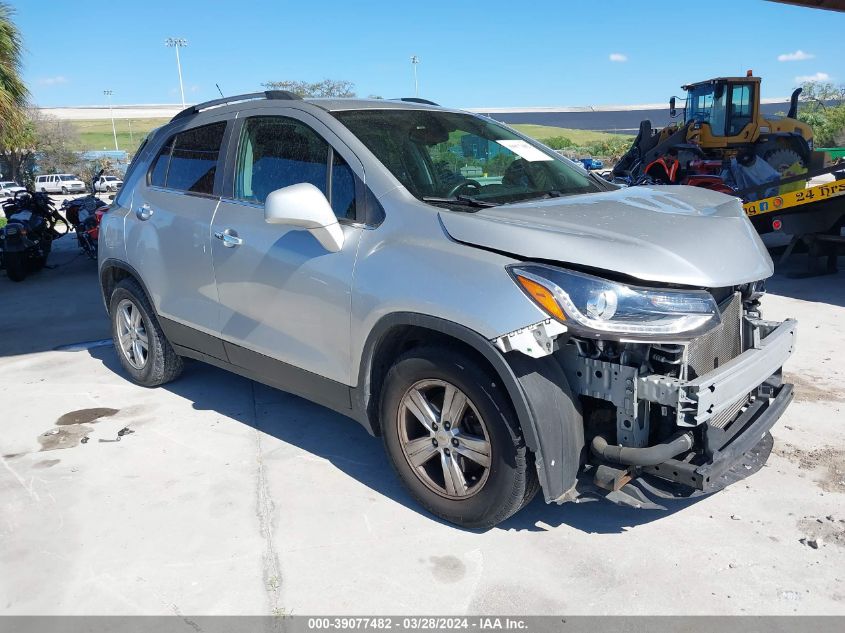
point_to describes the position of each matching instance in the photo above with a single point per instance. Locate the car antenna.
(220, 91)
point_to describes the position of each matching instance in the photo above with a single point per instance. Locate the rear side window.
(188, 161)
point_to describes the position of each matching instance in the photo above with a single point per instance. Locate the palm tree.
(13, 91)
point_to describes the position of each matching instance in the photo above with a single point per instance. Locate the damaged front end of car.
(677, 387)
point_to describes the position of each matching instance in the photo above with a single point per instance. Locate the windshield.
(111, 178)
(706, 104)
(451, 155)
(67, 177)
(8, 183)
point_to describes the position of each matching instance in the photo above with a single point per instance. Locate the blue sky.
(472, 54)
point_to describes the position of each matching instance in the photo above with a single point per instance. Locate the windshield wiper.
(462, 200)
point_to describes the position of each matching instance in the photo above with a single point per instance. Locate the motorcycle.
(84, 215)
(27, 238)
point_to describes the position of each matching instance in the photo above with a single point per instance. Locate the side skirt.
(274, 373)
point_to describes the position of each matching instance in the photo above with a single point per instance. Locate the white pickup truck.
(108, 183)
(8, 188)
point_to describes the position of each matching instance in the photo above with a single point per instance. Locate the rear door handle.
(229, 238)
(144, 212)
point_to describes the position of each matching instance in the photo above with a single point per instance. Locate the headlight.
(586, 302)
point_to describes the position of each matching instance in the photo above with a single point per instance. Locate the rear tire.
(143, 350)
(15, 266)
(479, 496)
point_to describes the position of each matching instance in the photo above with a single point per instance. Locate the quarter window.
(343, 188)
(188, 161)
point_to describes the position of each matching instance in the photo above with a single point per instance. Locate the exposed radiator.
(714, 349)
(719, 345)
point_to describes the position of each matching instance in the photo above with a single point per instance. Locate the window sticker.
(525, 150)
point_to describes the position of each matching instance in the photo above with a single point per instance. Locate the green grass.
(97, 134)
(2, 222)
(579, 137)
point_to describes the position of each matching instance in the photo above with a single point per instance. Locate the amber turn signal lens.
(543, 296)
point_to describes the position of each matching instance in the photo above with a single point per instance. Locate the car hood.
(667, 234)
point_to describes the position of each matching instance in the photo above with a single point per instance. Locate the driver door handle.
(229, 238)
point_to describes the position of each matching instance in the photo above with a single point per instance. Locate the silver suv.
(504, 320)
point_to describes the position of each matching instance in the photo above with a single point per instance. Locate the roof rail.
(416, 100)
(267, 94)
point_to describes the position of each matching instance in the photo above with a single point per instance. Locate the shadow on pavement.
(353, 451)
(56, 306)
(789, 282)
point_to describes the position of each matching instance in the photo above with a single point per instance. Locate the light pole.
(109, 93)
(177, 43)
(414, 61)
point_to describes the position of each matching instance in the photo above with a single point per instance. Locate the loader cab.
(728, 106)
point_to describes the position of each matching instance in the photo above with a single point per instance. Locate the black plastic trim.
(279, 375)
(276, 373)
(539, 419)
(116, 263)
(191, 338)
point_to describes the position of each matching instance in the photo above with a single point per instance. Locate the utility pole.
(177, 43)
(414, 61)
(108, 94)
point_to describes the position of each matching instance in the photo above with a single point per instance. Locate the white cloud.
(53, 81)
(800, 79)
(618, 57)
(797, 56)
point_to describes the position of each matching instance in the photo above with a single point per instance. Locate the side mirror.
(304, 206)
(673, 112)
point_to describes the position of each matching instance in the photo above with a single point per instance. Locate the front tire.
(143, 350)
(15, 266)
(64, 191)
(454, 440)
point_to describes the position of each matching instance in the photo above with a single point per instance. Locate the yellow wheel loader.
(721, 120)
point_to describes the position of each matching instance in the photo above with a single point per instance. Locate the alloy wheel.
(444, 439)
(131, 334)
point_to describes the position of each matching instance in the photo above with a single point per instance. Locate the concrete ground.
(216, 495)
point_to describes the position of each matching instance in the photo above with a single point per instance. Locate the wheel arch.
(112, 271)
(536, 388)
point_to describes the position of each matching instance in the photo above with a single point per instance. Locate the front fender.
(550, 419)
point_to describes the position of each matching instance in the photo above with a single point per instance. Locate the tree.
(35, 134)
(13, 91)
(823, 109)
(324, 88)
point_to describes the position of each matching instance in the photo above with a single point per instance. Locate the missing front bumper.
(733, 452)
